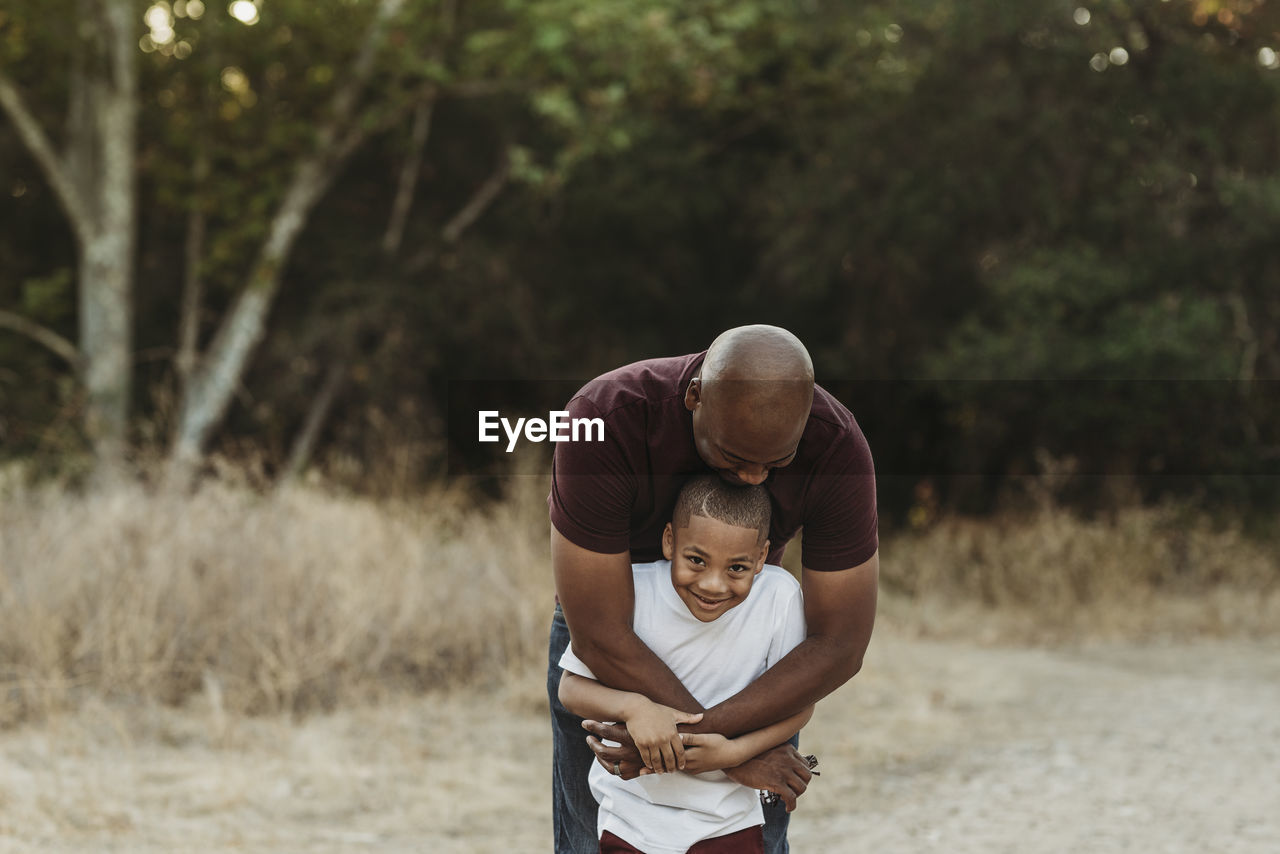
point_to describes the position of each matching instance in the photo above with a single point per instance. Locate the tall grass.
(1138, 572)
(281, 602)
(307, 598)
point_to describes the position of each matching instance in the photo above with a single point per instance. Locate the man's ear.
(693, 394)
(764, 553)
(668, 542)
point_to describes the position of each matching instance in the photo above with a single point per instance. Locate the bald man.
(748, 409)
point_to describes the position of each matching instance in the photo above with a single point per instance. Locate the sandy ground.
(933, 747)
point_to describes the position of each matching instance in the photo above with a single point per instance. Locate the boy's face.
(713, 564)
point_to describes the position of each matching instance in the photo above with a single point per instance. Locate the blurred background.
(1032, 245)
(1019, 238)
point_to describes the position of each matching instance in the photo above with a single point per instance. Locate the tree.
(93, 176)
(211, 382)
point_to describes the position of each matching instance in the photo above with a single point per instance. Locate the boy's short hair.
(709, 495)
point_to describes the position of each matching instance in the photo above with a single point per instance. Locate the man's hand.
(781, 770)
(624, 760)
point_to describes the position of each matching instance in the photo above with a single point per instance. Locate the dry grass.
(1052, 576)
(284, 602)
(308, 599)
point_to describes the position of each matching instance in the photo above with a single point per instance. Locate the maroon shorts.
(749, 841)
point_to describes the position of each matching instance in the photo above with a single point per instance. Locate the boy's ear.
(668, 542)
(764, 553)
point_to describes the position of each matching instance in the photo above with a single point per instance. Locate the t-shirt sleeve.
(575, 665)
(789, 626)
(593, 488)
(841, 525)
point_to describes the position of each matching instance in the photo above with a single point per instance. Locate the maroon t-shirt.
(618, 494)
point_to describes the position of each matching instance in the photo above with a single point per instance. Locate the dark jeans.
(573, 808)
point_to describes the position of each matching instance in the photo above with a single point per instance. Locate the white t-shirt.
(668, 813)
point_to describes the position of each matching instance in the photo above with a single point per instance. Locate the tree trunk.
(105, 333)
(192, 276)
(209, 391)
(317, 414)
(106, 263)
(394, 234)
(94, 181)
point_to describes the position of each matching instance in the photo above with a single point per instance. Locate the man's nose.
(752, 476)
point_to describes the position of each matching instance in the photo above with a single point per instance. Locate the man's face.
(713, 564)
(741, 440)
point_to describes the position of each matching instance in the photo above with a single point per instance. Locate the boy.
(718, 617)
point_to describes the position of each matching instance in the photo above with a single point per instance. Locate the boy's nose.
(714, 585)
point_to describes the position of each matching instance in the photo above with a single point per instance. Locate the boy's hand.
(708, 751)
(653, 729)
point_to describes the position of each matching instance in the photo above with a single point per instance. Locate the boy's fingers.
(668, 758)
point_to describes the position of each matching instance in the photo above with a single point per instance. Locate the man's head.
(750, 402)
(716, 541)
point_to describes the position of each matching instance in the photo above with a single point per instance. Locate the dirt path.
(934, 747)
(1110, 749)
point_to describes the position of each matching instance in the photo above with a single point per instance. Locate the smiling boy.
(718, 617)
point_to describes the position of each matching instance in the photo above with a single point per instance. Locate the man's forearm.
(623, 662)
(840, 611)
(808, 673)
(597, 598)
(753, 743)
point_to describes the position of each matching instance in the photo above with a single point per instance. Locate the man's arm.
(840, 611)
(598, 597)
(714, 752)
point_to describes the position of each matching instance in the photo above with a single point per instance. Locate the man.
(749, 410)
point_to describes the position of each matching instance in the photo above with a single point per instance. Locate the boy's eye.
(739, 567)
(694, 559)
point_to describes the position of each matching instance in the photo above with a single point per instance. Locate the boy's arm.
(758, 741)
(587, 698)
(713, 752)
(652, 726)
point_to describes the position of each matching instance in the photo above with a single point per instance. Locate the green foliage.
(1036, 235)
(49, 298)
(1071, 314)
